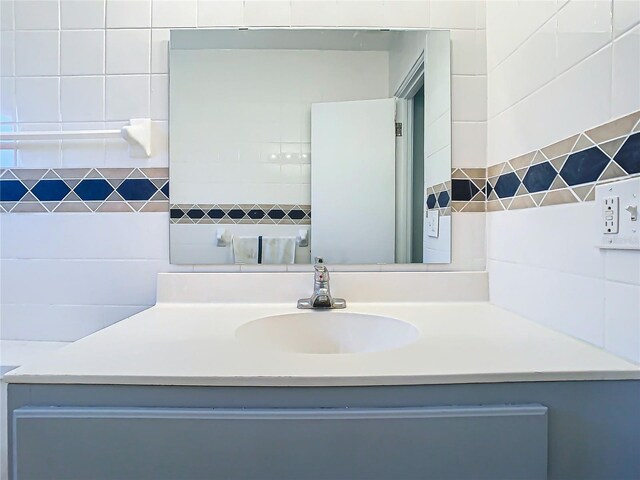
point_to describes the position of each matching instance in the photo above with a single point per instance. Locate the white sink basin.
(327, 332)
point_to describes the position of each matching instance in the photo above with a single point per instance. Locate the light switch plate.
(618, 222)
(433, 223)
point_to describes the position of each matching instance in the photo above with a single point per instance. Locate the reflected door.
(353, 181)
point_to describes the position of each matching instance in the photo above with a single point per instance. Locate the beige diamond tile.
(560, 148)
(615, 129)
(583, 191)
(558, 183)
(612, 147)
(612, 171)
(559, 162)
(522, 202)
(522, 161)
(582, 144)
(559, 197)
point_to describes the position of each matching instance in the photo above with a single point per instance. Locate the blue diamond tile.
(11, 190)
(539, 177)
(443, 199)
(217, 213)
(296, 214)
(93, 189)
(431, 201)
(463, 190)
(195, 213)
(176, 213)
(628, 157)
(507, 185)
(137, 189)
(584, 167)
(50, 190)
(165, 189)
(236, 213)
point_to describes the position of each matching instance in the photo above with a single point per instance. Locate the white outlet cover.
(626, 193)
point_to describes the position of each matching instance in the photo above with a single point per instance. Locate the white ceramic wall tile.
(461, 14)
(82, 99)
(626, 72)
(174, 13)
(220, 13)
(128, 51)
(531, 237)
(7, 14)
(59, 323)
(82, 52)
(468, 98)
(8, 99)
(128, 13)
(469, 144)
(403, 13)
(82, 14)
(38, 154)
(361, 14)
(468, 52)
(622, 320)
(160, 50)
(38, 99)
(526, 70)
(127, 96)
(314, 13)
(82, 153)
(36, 15)
(267, 13)
(531, 123)
(583, 27)
(622, 266)
(626, 13)
(542, 295)
(160, 97)
(37, 53)
(7, 49)
(85, 237)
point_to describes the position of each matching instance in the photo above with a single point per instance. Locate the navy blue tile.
(489, 189)
(539, 177)
(215, 213)
(195, 213)
(165, 189)
(443, 199)
(628, 157)
(137, 189)
(176, 213)
(276, 214)
(93, 189)
(296, 214)
(584, 167)
(236, 214)
(256, 214)
(507, 185)
(50, 190)
(431, 201)
(463, 190)
(11, 190)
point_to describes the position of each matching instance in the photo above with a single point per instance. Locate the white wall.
(556, 69)
(65, 64)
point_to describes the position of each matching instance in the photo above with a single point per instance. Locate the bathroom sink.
(327, 332)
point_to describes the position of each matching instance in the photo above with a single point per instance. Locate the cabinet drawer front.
(480, 442)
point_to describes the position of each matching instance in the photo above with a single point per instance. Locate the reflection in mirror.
(286, 145)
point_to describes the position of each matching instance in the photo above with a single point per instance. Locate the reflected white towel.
(278, 250)
(245, 249)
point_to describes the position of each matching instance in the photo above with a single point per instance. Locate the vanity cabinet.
(591, 429)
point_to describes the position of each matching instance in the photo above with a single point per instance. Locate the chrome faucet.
(321, 297)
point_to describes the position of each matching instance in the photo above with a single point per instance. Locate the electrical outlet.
(610, 214)
(618, 223)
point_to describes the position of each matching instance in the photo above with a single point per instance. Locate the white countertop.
(14, 353)
(194, 344)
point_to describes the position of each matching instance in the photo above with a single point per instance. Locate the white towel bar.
(137, 134)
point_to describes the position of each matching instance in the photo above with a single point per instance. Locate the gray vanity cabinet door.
(483, 442)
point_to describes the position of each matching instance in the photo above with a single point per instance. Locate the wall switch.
(618, 224)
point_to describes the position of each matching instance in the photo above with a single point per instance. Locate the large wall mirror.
(287, 145)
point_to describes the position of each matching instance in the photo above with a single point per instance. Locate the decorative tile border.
(438, 197)
(241, 214)
(564, 172)
(569, 170)
(84, 190)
